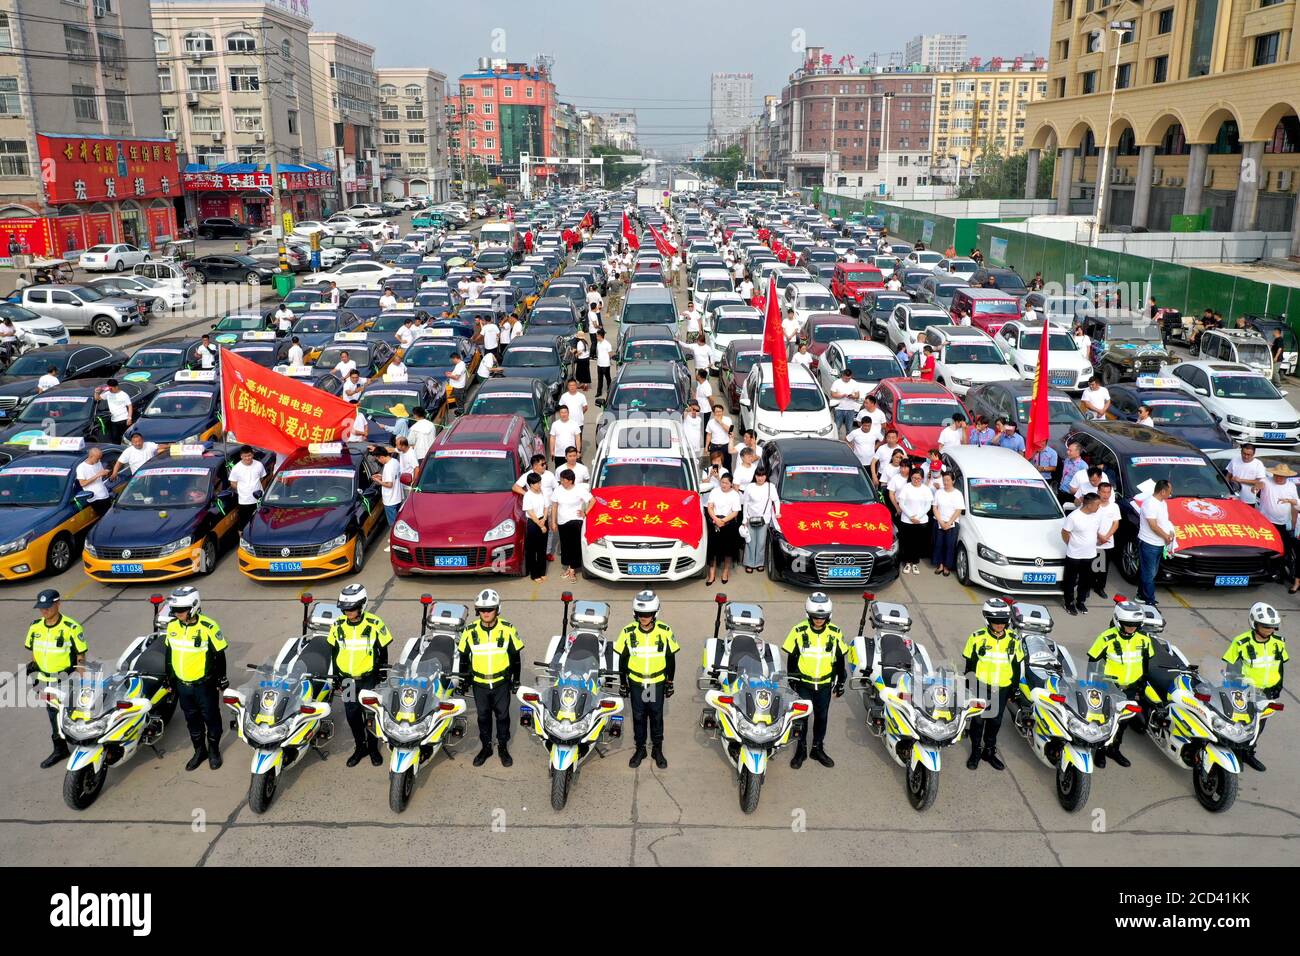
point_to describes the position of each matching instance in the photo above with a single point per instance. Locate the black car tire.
(104, 327)
(252, 278)
(60, 554)
(119, 266)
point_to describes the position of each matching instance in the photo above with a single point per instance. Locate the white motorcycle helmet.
(1264, 615)
(996, 611)
(353, 598)
(487, 600)
(646, 602)
(1128, 614)
(818, 605)
(187, 599)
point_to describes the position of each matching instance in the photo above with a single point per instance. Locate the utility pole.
(277, 216)
(1118, 27)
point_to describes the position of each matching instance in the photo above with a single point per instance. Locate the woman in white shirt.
(537, 509)
(718, 430)
(760, 506)
(889, 470)
(915, 500)
(568, 505)
(724, 528)
(949, 504)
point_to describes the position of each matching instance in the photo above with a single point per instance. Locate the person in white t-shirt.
(1087, 482)
(1144, 417)
(871, 410)
(745, 468)
(691, 318)
(954, 434)
(537, 517)
(704, 390)
(537, 467)
(569, 503)
(846, 395)
(574, 401)
(405, 334)
(396, 371)
(120, 409)
(389, 479)
(246, 478)
(1155, 533)
(915, 501)
(949, 504)
(48, 380)
(284, 318)
(408, 463)
(296, 355)
(1096, 399)
(344, 365)
(884, 453)
(135, 455)
(863, 440)
(565, 432)
(1080, 533)
(360, 429)
(581, 474)
(791, 325)
(604, 359)
(487, 365)
(1247, 474)
(802, 356)
(90, 476)
(1108, 522)
(718, 434)
(387, 300)
(491, 335)
(353, 386)
(458, 379)
(693, 426)
(422, 433)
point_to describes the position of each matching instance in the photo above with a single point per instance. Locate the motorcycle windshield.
(577, 686)
(410, 696)
(1092, 696)
(94, 689)
(937, 693)
(274, 696)
(1230, 696)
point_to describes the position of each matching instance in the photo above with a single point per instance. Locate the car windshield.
(976, 353)
(459, 471)
(926, 411)
(240, 323)
(1179, 411)
(834, 333)
(434, 354)
(713, 284)
(29, 485)
(163, 487)
(309, 326)
(873, 369)
(656, 472)
(1062, 411)
(1243, 385)
(841, 483)
(530, 356)
(737, 323)
(652, 351)
(156, 358)
(1021, 498)
(646, 396)
(88, 294)
(100, 249)
(803, 398)
(1066, 306)
(58, 408)
(1033, 341)
(817, 302)
(550, 317)
(996, 307)
(311, 487)
(1192, 476)
(923, 320)
(886, 303)
(181, 403)
(1134, 333)
(379, 402)
(649, 313)
(1254, 353)
(504, 403)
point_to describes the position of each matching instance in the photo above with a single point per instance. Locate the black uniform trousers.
(493, 702)
(821, 704)
(356, 714)
(55, 736)
(200, 703)
(984, 730)
(647, 711)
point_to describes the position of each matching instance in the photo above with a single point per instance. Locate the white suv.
(1067, 368)
(808, 415)
(966, 356)
(808, 298)
(908, 322)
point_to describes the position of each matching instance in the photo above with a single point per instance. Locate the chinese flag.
(1040, 416)
(629, 234)
(258, 405)
(665, 247)
(586, 221)
(774, 345)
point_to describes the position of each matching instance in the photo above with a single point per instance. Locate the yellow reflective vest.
(818, 652)
(358, 644)
(489, 650)
(188, 646)
(1261, 661)
(647, 651)
(1125, 656)
(995, 658)
(52, 645)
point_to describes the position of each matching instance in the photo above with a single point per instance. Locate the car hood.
(985, 373)
(920, 438)
(17, 520)
(144, 527)
(297, 527)
(550, 374)
(1205, 437)
(1018, 538)
(170, 429)
(157, 376)
(20, 387)
(1256, 411)
(458, 519)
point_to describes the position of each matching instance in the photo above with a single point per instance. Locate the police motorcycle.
(750, 707)
(1203, 724)
(914, 707)
(106, 715)
(414, 707)
(567, 709)
(283, 712)
(1066, 717)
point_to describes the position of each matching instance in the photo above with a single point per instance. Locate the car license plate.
(451, 561)
(653, 568)
(1040, 577)
(128, 569)
(1231, 581)
(285, 567)
(844, 571)
(3, 414)
(1274, 436)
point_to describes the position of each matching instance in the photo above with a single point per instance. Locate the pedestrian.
(815, 661)
(724, 511)
(915, 501)
(334, 297)
(1279, 502)
(1127, 653)
(246, 478)
(1155, 535)
(1080, 532)
(949, 505)
(58, 644)
(196, 669)
(1045, 460)
(295, 357)
(493, 648)
(884, 455)
(980, 432)
(284, 318)
(573, 399)
(1277, 348)
(353, 386)
(702, 359)
(120, 409)
(845, 395)
(647, 663)
(135, 455)
(422, 433)
(565, 432)
(569, 504)
(344, 366)
(1260, 655)
(457, 380)
(389, 479)
(90, 477)
(206, 353)
(718, 430)
(1096, 399)
(536, 508)
(1246, 474)
(604, 354)
(863, 440)
(360, 641)
(954, 433)
(928, 363)
(804, 357)
(582, 362)
(1011, 438)
(761, 505)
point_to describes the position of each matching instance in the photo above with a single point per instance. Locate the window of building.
(390, 159)
(293, 122)
(248, 121)
(467, 91)
(245, 79)
(10, 104)
(528, 92)
(76, 42)
(1204, 19)
(413, 89)
(902, 180)
(169, 119)
(417, 159)
(389, 113)
(295, 154)
(112, 52)
(388, 89)
(199, 42)
(1286, 136)
(415, 136)
(1124, 76)
(391, 137)
(288, 85)
(486, 90)
(489, 143)
(202, 78)
(1160, 69)
(488, 126)
(1228, 141)
(115, 101)
(210, 155)
(240, 43)
(1089, 82)
(84, 104)
(469, 107)
(285, 48)
(1165, 21)
(415, 112)
(13, 158)
(487, 107)
(206, 121)
(165, 84)
(254, 155)
(160, 44)
(507, 92)
(1173, 143)
(1266, 48)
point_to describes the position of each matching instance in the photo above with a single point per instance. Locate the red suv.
(919, 410)
(852, 280)
(463, 515)
(989, 309)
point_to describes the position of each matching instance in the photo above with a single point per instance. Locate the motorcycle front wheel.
(1216, 790)
(81, 787)
(261, 791)
(560, 788)
(1072, 787)
(922, 787)
(400, 787)
(751, 787)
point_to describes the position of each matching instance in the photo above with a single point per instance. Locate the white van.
(497, 234)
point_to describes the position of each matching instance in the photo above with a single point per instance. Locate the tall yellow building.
(979, 109)
(1204, 114)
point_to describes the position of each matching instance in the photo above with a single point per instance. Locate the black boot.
(800, 754)
(973, 761)
(1100, 757)
(822, 757)
(1113, 752)
(1253, 762)
(506, 759)
(358, 755)
(657, 752)
(57, 755)
(481, 758)
(375, 758)
(200, 755)
(214, 753)
(637, 756)
(993, 760)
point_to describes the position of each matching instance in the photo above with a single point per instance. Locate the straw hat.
(1282, 471)
(399, 411)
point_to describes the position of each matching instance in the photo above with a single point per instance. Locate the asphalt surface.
(152, 812)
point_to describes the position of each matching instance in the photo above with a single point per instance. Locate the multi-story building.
(1203, 118)
(979, 110)
(347, 116)
(507, 109)
(731, 104)
(413, 142)
(936, 51)
(84, 157)
(237, 93)
(620, 130)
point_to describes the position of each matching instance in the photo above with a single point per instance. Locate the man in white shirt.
(863, 440)
(575, 401)
(119, 409)
(692, 319)
(884, 453)
(135, 455)
(604, 358)
(353, 386)
(458, 379)
(335, 296)
(90, 476)
(537, 466)
(407, 462)
(487, 364)
(509, 329)
(564, 433)
(387, 300)
(701, 354)
(491, 334)
(1096, 399)
(845, 394)
(296, 355)
(746, 290)
(405, 334)
(1108, 521)
(802, 356)
(693, 425)
(893, 284)
(1155, 533)
(744, 471)
(389, 479)
(360, 430)
(206, 353)
(790, 325)
(703, 392)
(246, 478)
(954, 434)
(345, 366)
(871, 410)
(1247, 474)
(594, 299)
(396, 371)
(1087, 482)
(284, 318)
(472, 289)
(581, 473)
(48, 380)
(1080, 533)
(422, 433)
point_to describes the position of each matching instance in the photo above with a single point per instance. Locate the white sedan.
(112, 257)
(352, 276)
(1245, 403)
(808, 298)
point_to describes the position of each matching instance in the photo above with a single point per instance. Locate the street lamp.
(1119, 27)
(887, 96)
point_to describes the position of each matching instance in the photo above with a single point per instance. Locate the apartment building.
(413, 128)
(937, 51)
(507, 109)
(983, 108)
(347, 115)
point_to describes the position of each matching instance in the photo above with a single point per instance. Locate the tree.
(616, 174)
(998, 176)
(725, 166)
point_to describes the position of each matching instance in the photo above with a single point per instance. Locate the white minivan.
(807, 416)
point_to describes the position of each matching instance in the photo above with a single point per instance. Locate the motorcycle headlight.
(1089, 731)
(505, 529)
(988, 554)
(404, 532)
(84, 729)
(403, 733)
(177, 545)
(332, 544)
(1237, 732)
(936, 730)
(17, 544)
(264, 734)
(568, 729)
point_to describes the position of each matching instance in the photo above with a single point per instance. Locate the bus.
(773, 186)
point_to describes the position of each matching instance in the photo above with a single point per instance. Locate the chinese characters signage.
(1202, 523)
(96, 169)
(643, 511)
(235, 182)
(834, 523)
(275, 412)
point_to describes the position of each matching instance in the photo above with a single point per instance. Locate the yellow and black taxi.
(18, 381)
(185, 412)
(317, 327)
(525, 282)
(158, 362)
(437, 299)
(386, 403)
(76, 409)
(369, 353)
(262, 347)
(318, 517)
(232, 326)
(44, 514)
(172, 519)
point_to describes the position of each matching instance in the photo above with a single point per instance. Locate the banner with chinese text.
(833, 523)
(1205, 523)
(645, 511)
(94, 169)
(275, 412)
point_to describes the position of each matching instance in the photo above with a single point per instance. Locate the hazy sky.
(656, 57)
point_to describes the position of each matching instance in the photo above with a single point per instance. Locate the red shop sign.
(94, 169)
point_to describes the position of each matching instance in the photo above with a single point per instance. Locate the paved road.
(152, 811)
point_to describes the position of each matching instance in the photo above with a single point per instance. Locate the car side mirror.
(1205, 391)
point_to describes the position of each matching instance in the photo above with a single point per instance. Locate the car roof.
(1130, 438)
(863, 347)
(634, 332)
(654, 371)
(815, 451)
(509, 385)
(981, 460)
(960, 332)
(211, 459)
(832, 318)
(797, 371)
(915, 388)
(349, 457)
(1215, 367)
(980, 292)
(1147, 394)
(534, 338)
(482, 431)
(649, 294)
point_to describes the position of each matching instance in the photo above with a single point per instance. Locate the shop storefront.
(242, 191)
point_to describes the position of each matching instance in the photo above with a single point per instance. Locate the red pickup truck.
(852, 280)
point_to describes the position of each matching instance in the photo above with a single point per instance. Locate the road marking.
(1180, 599)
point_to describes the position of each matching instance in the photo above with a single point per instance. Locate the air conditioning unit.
(173, 134)
(419, 98)
(192, 98)
(218, 137)
(259, 137)
(1209, 176)
(1285, 178)
(101, 8)
(1157, 175)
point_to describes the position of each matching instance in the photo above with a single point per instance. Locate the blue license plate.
(1274, 436)
(654, 568)
(1039, 577)
(845, 571)
(4, 414)
(451, 561)
(1231, 581)
(285, 567)
(128, 569)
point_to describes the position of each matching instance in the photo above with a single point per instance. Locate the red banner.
(629, 235)
(99, 227)
(1040, 415)
(833, 523)
(273, 411)
(95, 169)
(1221, 522)
(644, 511)
(236, 182)
(774, 345)
(32, 233)
(665, 247)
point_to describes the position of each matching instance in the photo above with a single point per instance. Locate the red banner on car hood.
(643, 511)
(817, 524)
(1221, 522)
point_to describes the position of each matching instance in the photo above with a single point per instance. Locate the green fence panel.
(1248, 296)
(1210, 290)
(1169, 284)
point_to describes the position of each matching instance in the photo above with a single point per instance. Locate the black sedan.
(75, 409)
(222, 228)
(540, 355)
(646, 390)
(18, 381)
(1174, 411)
(384, 402)
(232, 268)
(527, 398)
(1011, 400)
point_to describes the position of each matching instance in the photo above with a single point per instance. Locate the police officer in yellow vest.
(360, 641)
(196, 668)
(994, 654)
(647, 662)
(493, 647)
(1127, 653)
(57, 643)
(1261, 654)
(815, 652)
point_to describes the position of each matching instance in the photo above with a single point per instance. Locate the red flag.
(633, 240)
(586, 221)
(774, 345)
(276, 412)
(665, 247)
(1040, 415)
